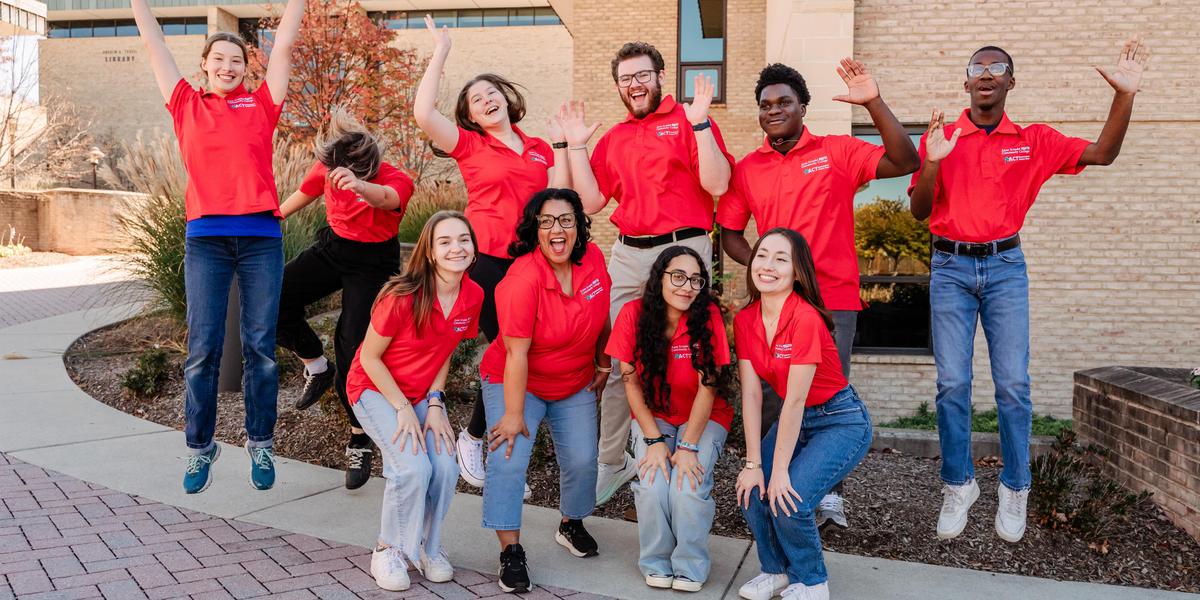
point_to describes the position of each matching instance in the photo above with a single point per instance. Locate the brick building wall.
(1113, 253)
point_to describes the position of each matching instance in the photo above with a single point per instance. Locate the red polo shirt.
(415, 355)
(349, 215)
(681, 376)
(811, 190)
(499, 184)
(225, 142)
(563, 328)
(987, 184)
(651, 167)
(800, 339)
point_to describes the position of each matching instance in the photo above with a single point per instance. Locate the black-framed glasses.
(996, 69)
(678, 278)
(567, 221)
(641, 76)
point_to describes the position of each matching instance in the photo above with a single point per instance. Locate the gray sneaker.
(610, 478)
(832, 510)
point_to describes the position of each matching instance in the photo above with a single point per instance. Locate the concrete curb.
(922, 443)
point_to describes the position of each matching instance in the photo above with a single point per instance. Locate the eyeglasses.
(567, 221)
(996, 69)
(678, 278)
(642, 77)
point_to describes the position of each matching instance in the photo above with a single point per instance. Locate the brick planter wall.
(1150, 419)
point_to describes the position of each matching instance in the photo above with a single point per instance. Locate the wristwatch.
(559, 145)
(749, 464)
(436, 395)
(702, 126)
(688, 446)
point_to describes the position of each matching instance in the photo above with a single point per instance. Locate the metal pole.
(230, 378)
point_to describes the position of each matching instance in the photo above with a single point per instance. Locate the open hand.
(438, 423)
(781, 497)
(697, 109)
(554, 125)
(574, 124)
(687, 466)
(1126, 78)
(937, 146)
(408, 426)
(656, 458)
(441, 37)
(860, 85)
(747, 481)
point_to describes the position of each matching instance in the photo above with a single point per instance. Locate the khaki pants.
(629, 267)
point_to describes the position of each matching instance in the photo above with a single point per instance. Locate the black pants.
(488, 272)
(332, 263)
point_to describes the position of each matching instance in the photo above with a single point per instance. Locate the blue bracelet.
(688, 446)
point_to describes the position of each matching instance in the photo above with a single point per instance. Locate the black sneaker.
(514, 575)
(315, 386)
(572, 536)
(358, 466)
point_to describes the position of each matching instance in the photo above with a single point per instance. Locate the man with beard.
(978, 179)
(807, 183)
(663, 164)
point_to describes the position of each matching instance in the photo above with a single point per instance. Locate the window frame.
(681, 66)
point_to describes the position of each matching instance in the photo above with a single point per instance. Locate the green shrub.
(148, 374)
(981, 422)
(153, 252)
(425, 202)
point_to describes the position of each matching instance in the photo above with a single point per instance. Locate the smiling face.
(772, 268)
(225, 66)
(486, 104)
(680, 298)
(780, 113)
(989, 91)
(557, 242)
(640, 99)
(453, 250)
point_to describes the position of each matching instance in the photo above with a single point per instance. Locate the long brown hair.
(232, 38)
(347, 143)
(462, 106)
(803, 272)
(419, 275)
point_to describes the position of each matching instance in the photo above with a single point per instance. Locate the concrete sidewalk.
(48, 422)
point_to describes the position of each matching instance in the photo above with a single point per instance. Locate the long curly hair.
(527, 227)
(653, 343)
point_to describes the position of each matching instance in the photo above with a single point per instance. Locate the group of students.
(632, 354)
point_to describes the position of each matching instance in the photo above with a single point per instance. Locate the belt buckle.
(975, 249)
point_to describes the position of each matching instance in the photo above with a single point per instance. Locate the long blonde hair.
(347, 143)
(419, 276)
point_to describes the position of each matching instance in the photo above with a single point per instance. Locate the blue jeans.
(573, 429)
(994, 290)
(208, 271)
(419, 486)
(834, 437)
(674, 523)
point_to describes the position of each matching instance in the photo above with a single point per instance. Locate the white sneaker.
(799, 591)
(764, 587)
(832, 509)
(660, 581)
(436, 568)
(1010, 514)
(610, 478)
(956, 501)
(389, 569)
(469, 452)
(528, 492)
(683, 584)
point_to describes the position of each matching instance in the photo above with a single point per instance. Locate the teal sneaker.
(262, 467)
(198, 475)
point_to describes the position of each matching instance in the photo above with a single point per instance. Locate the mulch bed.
(893, 499)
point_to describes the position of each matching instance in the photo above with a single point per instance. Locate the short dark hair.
(1008, 57)
(781, 73)
(634, 50)
(527, 228)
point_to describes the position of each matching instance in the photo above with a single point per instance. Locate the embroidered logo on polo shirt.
(1016, 154)
(537, 157)
(461, 324)
(242, 102)
(590, 290)
(681, 351)
(783, 350)
(820, 163)
(666, 129)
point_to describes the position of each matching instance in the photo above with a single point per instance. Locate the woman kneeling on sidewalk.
(784, 336)
(395, 385)
(548, 362)
(672, 348)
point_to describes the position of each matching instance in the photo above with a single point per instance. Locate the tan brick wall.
(65, 220)
(1113, 253)
(19, 213)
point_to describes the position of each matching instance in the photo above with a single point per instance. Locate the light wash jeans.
(573, 429)
(419, 486)
(674, 523)
(964, 290)
(209, 266)
(834, 438)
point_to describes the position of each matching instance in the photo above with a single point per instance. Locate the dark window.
(104, 28)
(441, 18)
(495, 17)
(196, 27)
(391, 19)
(126, 28)
(81, 29)
(174, 26)
(546, 16)
(470, 18)
(701, 46)
(893, 259)
(59, 30)
(520, 16)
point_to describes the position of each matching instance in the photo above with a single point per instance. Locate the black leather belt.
(976, 248)
(650, 241)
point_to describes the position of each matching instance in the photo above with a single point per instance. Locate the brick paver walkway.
(29, 294)
(65, 538)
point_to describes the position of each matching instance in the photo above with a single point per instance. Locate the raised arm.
(279, 68)
(560, 173)
(441, 131)
(1125, 80)
(937, 147)
(900, 156)
(295, 202)
(166, 72)
(714, 167)
(578, 132)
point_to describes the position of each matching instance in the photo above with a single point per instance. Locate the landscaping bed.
(893, 499)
